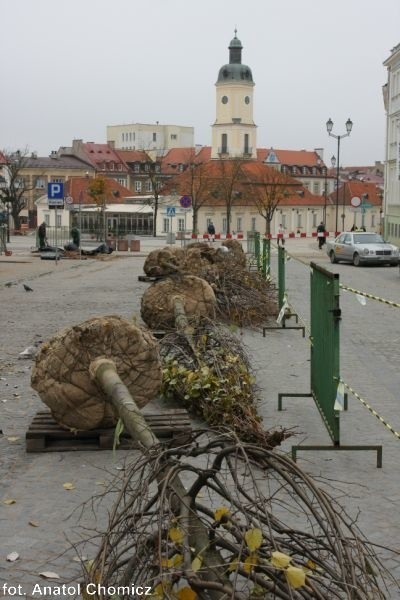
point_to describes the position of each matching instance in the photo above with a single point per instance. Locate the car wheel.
(332, 257)
(356, 260)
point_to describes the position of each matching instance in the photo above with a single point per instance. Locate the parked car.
(362, 247)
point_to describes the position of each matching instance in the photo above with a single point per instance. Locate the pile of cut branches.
(251, 524)
(244, 298)
(211, 376)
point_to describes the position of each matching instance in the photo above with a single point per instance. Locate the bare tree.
(14, 189)
(268, 187)
(193, 182)
(226, 178)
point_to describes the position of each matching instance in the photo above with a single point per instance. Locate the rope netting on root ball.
(158, 305)
(251, 524)
(61, 372)
(211, 376)
(243, 298)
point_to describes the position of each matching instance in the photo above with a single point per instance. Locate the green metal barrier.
(266, 258)
(257, 249)
(325, 344)
(325, 359)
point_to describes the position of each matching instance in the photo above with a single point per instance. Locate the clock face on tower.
(247, 100)
(224, 99)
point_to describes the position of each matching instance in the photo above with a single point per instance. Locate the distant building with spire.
(234, 133)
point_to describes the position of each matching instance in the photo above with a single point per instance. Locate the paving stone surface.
(44, 518)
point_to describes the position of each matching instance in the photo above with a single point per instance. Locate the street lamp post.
(329, 127)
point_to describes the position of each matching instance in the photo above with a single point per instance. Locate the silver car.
(362, 247)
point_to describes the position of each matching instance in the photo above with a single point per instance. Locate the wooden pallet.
(149, 277)
(45, 435)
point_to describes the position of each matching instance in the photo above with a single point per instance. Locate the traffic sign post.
(55, 197)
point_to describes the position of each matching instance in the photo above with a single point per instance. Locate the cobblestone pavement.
(41, 522)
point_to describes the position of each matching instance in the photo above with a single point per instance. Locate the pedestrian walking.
(211, 230)
(42, 236)
(321, 235)
(281, 233)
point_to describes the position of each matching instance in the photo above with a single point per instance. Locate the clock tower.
(234, 134)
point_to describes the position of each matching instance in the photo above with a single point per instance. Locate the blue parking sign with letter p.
(55, 191)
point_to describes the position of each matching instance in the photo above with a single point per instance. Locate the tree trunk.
(103, 371)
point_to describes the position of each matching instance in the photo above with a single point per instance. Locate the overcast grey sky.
(69, 68)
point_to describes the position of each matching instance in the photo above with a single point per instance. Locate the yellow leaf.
(221, 512)
(311, 565)
(250, 562)
(296, 577)
(280, 560)
(176, 535)
(196, 563)
(175, 561)
(234, 565)
(13, 438)
(186, 593)
(68, 486)
(9, 501)
(161, 589)
(33, 524)
(253, 539)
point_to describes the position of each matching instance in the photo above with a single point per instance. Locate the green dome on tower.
(234, 70)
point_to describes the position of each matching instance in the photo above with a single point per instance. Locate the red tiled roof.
(133, 156)
(76, 187)
(3, 160)
(100, 153)
(303, 158)
(356, 188)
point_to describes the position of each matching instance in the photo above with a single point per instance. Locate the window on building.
(181, 224)
(154, 137)
(224, 224)
(174, 136)
(294, 170)
(112, 166)
(224, 143)
(136, 167)
(180, 168)
(58, 220)
(314, 219)
(147, 167)
(121, 180)
(372, 220)
(138, 186)
(149, 186)
(123, 137)
(239, 226)
(57, 180)
(299, 215)
(246, 143)
(166, 225)
(47, 219)
(40, 183)
(316, 187)
(157, 168)
(253, 223)
(283, 219)
(120, 167)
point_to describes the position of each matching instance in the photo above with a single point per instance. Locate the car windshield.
(368, 238)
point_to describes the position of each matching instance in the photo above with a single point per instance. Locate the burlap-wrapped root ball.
(236, 249)
(163, 261)
(157, 307)
(61, 372)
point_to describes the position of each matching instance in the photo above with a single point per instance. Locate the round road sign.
(185, 201)
(355, 201)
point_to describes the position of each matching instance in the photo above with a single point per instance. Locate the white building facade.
(391, 92)
(141, 136)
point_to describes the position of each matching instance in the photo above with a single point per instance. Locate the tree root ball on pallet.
(61, 372)
(162, 261)
(157, 306)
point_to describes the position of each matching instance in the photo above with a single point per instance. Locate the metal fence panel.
(325, 361)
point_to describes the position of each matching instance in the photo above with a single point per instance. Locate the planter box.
(135, 245)
(122, 245)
